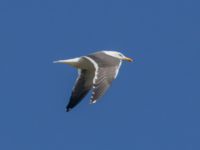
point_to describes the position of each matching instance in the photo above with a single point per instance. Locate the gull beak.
(127, 59)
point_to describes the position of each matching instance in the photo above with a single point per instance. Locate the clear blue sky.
(152, 105)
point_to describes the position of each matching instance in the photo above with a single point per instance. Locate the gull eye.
(120, 55)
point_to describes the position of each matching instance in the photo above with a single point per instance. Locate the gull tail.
(60, 61)
(73, 62)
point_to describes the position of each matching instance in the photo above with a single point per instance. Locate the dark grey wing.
(82, 86)
(103, 80)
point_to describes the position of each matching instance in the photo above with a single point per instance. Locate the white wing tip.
(93, 102)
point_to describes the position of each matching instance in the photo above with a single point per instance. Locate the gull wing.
(82, 86)
(103, 80)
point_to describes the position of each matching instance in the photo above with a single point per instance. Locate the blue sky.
(154, 102)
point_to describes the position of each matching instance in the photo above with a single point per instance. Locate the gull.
(96, 72)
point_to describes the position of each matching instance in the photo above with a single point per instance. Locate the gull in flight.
(96, 72)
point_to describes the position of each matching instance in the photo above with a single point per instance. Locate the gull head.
(118, 55)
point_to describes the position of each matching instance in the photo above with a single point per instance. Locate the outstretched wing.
(82, 86)
(103, 80)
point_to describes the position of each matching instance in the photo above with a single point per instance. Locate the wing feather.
(105, 76)
(81, 88)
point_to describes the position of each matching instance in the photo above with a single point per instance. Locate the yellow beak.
(128, 59)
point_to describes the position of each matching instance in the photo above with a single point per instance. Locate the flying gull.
(96, 71)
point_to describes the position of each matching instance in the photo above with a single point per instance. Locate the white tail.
(73, 62)
(59, 61)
